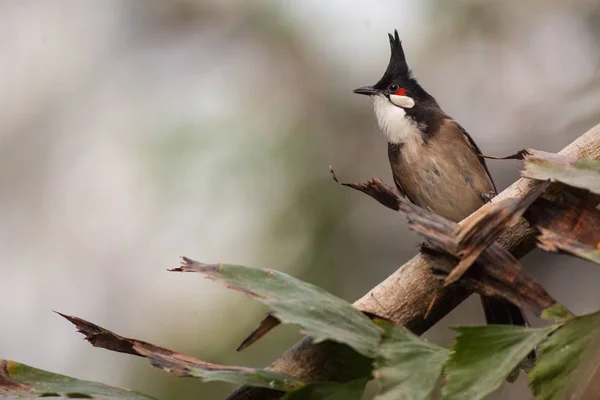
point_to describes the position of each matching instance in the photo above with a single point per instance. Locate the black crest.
(397, 68)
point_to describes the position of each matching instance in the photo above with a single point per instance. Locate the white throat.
(393, 121)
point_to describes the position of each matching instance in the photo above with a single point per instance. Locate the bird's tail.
(500, 311)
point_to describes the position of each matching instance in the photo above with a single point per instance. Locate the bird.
(435, 162)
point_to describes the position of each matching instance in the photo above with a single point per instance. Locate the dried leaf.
(407, 367)
(384, 194)
(551, 241)
(570, 225)
(482, 228)
(321, 315)
(181, 364)
(436, 229)
(578, 172)
(497, 273)
(352, 390)
(561, 356)
(266, 325)
(20, 381)
(484, 356)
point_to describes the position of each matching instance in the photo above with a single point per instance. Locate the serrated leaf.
(321, 315)
(483, 356)
(407, 367)
(578, 172)
(560, 356)
(182, 364)
(352, 390)
(20, 381)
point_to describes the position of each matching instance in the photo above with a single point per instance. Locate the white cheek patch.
(402, 101)
(394, 123)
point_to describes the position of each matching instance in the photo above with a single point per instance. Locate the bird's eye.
(397, 90)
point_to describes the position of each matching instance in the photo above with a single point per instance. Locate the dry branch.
(406, 294)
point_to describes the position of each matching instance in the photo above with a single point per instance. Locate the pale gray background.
(133, 132)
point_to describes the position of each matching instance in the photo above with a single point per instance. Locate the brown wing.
(443, 173)
(393, 154)
(477, 152)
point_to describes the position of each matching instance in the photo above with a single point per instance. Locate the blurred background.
(135, 132)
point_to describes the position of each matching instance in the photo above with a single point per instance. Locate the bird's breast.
(444, 177)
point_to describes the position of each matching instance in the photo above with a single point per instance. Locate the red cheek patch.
(400, 92)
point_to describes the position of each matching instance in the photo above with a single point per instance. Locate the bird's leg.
(487, 197)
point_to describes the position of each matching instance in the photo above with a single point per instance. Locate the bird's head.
(398, 95)
(397, 83)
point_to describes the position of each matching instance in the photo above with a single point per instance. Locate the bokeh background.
(134, 132)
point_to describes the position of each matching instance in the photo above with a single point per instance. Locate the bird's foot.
(487, 197)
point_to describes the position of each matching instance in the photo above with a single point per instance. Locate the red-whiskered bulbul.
(435, 163)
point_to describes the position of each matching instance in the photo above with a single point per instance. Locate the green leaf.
(483, 356)
(182, 364)
(582, 173)
(322, 315)
(557, 312)
(561, 355)
(352, 390)
(244, 376)
(407, 367)
(20, 381)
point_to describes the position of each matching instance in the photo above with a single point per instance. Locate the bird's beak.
(368, 90)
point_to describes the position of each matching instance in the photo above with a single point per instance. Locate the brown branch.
(406, 294)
